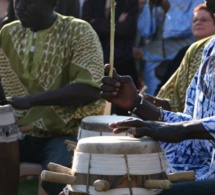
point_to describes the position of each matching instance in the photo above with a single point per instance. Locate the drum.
(99, 126)
(9, 150)
(117, 165)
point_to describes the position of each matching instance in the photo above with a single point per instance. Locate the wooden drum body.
(125, 163)
(9, 150)
(99, 126)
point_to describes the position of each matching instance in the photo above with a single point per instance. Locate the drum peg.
(71, 145)
(157, 184)
(59, 168)
(181, 176)
(101, 185)
(60, 178)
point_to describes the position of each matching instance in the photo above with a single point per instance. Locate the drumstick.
(112, 30)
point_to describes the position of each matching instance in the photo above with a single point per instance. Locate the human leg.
(55, 151)
(44, 151)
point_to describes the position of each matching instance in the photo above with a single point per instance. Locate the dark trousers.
(192, 188)
(43, 151)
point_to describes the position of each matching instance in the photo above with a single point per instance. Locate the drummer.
(51, 69)
(197, 121)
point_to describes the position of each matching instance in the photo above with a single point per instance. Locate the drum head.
(117, 145)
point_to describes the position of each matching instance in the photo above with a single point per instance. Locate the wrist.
(138, 101)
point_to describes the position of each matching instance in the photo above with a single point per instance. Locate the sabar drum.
(9, 150)
(117, 165)
(99, 126)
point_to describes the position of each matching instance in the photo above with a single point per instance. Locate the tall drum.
(99, 126)
(117, 166)
(9, 150)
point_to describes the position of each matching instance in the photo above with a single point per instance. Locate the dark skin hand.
(160, 131)
(75, 94)
(121, 91)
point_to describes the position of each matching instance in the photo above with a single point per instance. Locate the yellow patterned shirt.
(174, 91)
(68, 52)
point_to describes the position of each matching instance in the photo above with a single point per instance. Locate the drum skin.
(98, 125)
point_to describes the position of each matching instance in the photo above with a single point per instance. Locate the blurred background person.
(70, 7)
(138, 50)
(97, 13)
(4, 4)
(203, 25)
(166, 27)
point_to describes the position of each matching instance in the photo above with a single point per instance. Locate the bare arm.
(71, 95)
(121, 91)
(160, 131)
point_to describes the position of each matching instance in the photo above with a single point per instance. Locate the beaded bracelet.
(135, 108)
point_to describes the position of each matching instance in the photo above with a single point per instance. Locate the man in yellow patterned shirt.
(174, 90)
(51, 69)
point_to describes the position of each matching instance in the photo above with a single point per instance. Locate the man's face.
(31, 12)
(210, 5)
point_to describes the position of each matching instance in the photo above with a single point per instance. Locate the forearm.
(158, 102)
(148, 107)
(195, 130)
(146, 110)
(71, 95)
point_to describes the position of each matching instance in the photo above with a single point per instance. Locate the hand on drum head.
(158, 131)
(119, 90)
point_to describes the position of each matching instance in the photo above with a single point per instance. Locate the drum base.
(9, 168)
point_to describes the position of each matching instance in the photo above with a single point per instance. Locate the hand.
(119, 90)
(19, 102)
(158, 131)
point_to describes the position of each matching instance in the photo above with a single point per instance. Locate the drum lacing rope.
(128, 174)
(88, 173)
(100, 131)
(162, 168)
